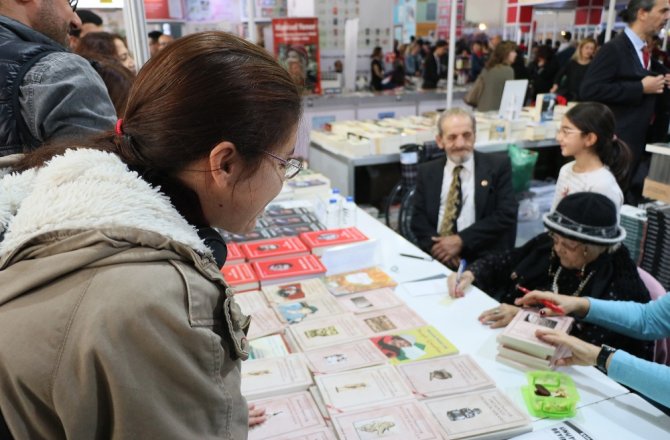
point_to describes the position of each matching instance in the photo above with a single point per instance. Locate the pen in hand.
(461, 269)
(548, 304)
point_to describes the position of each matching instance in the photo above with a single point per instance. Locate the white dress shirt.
(638, 43)
(467, 214)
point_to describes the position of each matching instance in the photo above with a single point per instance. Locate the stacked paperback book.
(656, 256)
(634, 221)
(518, 345)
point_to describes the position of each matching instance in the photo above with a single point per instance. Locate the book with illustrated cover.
(405, 421)
(391, 320)
(273, 248)
(240, 276)
(251, 301)
(264, 322)
(356, 281)
(327, 331)
(343, 357)
(486, 414)
(520, 332)
(319, 241)
(360, 389)
(234, 255)
(263, 378)
(370, 301)
(268, 346)
(287, 269)
(309, 289)
(308, 309)
(414, 345)
(287, 415)
(445, 376)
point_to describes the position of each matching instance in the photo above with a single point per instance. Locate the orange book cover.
(234, 255)
(241, 276)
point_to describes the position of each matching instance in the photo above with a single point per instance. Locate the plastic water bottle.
(348, 213)
(332, 214)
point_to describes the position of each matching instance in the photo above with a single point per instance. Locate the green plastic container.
(562, 403)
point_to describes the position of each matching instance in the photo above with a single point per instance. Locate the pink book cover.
(273, 248)
(287, 415)
(391, 320)
(363, 388)
(323, 433)
(288, 268)
(343, 357)
(234, 255)
(331, 237)
(480, 413)
(370, 301)
(251, 301)
(330, 330)
(264, 322)
(445, 376)
(240, 276)
(309, 289)
(274, 376)
(405, 421)
(520, 332)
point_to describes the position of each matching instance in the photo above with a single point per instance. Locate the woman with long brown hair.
(495, 74)
(115, 321)
(569, 79)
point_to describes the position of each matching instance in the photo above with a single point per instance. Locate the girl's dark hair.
(597, 118)
(201, 90)
(96, 45)
(376, 52)
(117, 79)
(500, 54)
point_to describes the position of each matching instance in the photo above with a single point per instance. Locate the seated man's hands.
(447, 250)
(583, 353)
(499, 316)
(458, 290)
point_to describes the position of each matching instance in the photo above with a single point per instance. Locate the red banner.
(296, 46)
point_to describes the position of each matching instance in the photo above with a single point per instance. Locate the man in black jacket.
(433, 69)
(464, 203)
(625, 78)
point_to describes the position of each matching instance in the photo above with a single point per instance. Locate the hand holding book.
(583, 353)
(578, 306)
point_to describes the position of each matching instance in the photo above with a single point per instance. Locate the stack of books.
(518, 345)
(656, 256)
(657, 182)
(634, 221)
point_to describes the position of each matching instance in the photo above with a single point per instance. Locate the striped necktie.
(453, 207)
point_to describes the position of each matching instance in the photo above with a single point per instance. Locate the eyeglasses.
(567, 130)
(565, 243)
(73, 4)
(291, 166)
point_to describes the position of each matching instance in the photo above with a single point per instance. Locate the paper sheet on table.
(427, 287)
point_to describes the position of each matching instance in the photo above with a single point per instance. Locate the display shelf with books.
(634, 221)
(656, 257)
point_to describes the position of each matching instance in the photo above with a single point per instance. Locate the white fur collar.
(86, 189)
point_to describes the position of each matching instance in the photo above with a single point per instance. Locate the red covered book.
(273, 248)
(240, 276)
(234, 255)
(319, 241)
(281, 270)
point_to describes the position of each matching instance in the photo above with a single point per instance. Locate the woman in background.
(495, 74)
(376, 69)
(569, 78)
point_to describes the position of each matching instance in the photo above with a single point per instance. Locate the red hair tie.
(118, 130)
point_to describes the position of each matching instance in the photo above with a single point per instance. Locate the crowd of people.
(112, 182)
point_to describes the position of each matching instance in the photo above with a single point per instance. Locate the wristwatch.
(601, 360)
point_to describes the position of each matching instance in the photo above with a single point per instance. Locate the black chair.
(405, 216)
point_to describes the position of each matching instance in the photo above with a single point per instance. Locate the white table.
(606, 409)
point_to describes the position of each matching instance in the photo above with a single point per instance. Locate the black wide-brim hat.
(586, 217)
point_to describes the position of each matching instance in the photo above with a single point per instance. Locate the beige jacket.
(114, 320)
